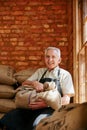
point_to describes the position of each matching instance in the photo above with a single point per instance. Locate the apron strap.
(42, 75)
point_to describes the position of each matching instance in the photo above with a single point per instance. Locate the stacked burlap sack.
(7, 91)
(10, 80)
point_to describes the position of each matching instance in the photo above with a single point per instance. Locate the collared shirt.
(66, 82)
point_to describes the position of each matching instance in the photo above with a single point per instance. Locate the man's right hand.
(35, 84)
(38, 86)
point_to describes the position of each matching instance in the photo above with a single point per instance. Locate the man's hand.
(38, 104)
(38, 86)
(65, 100)
(34, 84)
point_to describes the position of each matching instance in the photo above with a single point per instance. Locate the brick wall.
(27, 27)
(70, 36)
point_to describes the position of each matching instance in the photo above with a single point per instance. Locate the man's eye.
(47, 56)
(53, 57)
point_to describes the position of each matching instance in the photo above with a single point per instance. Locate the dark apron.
(57, 81)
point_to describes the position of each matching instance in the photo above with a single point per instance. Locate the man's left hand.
(65, 100)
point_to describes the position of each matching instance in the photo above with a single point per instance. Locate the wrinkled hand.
(35, 84)
(38, 104)
(65, 100)
(38, 86)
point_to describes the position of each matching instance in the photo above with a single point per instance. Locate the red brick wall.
(70, 37)
(27, 27)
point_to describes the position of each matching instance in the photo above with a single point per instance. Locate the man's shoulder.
(65, 72)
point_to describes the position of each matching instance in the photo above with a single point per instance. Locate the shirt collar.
(55, 70)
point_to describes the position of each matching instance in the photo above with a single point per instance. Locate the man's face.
(52, 59)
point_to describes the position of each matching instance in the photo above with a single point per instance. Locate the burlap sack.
(6, 91)
(22, 98)
(6, 75)
(73, 118)
(6, 105)
(22, 75)
(28, 95)
(51, 97)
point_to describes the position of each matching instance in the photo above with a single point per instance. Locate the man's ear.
(59, 61)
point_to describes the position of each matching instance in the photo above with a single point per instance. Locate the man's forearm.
(27, 82)
(35, 84)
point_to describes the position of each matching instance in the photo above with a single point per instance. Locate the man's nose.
(50, 58)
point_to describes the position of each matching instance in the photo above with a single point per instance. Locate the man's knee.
(38, 119)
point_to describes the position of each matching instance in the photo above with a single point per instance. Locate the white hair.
(54, 48)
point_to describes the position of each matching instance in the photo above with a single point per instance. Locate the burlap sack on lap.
(22, 75)
(70, 118)
(6, 75)
(6, 105)
(22, 97)
(6, 91)
(28, 95)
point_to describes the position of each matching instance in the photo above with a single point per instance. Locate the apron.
(57, 81)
